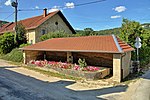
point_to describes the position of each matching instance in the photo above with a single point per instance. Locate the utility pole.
(15, 5)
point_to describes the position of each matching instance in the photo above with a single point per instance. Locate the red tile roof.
(82, 44)
(33, 22)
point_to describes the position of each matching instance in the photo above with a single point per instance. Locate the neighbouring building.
(104, 51)
(2, 22)
(39, 25)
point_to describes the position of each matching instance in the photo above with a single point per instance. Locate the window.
(31, 41)
(43, 31)
(56, 23)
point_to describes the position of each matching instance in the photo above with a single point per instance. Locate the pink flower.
(76, 67)
(90, 68)
(32, 62)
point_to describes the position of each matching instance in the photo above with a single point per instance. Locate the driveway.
(17, 83)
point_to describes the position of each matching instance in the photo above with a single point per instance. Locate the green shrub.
(23, 45)
(145, 55)
(82, 63)
(7, 42)
(15, 55)
(56, 35)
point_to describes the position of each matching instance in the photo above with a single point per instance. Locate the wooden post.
(69, 57)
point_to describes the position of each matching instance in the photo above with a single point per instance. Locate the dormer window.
(43, 31)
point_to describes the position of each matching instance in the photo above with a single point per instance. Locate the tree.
(6, 42)
(129, 31)
(88, 31)
(21, 34)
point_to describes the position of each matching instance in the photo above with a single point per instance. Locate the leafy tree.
(20, 36)
(88, 31)
(129, 31)
(6, 43)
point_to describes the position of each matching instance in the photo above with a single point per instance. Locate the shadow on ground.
(16, 86)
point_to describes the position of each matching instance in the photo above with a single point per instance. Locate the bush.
(145, 55)
(23, 45)
(82, 63)
(7, 43)
(15, 55)
(56, 35)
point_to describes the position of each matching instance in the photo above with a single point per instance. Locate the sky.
(104, 14)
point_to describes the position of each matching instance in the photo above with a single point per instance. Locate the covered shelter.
(103, 51)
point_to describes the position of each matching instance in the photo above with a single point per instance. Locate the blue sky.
(103, 15)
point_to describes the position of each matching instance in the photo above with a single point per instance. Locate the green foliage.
(56, 35)
(6, 43)
(2, 23)
(145, 55)
(82, 63)
(15, 55)
(21, 34)
(23, 45)
(129, 31)
(90, 31)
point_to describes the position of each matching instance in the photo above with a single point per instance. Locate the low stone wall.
(85, 74)
(77, 73)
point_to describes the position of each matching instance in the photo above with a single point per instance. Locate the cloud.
(8, 3)
(69, 5)
(55, 8)
(36, 7)
(52, 10)
(78, 28)
(120, 8)
(116, 16)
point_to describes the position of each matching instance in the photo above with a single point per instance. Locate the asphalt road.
(142, 91)
(16, 86)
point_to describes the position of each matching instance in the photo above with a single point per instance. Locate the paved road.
(139, 90)
(17, 86)
(142, 92)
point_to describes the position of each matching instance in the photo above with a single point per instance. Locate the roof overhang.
(96, 51)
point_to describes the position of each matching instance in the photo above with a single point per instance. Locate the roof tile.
(29, 23)
(82, 44)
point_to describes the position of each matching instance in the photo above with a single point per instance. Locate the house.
(2, 22)
(39, 25)
(104, 51)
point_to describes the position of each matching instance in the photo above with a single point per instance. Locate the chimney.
(44, 12)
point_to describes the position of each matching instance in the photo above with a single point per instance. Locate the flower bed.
(89, 72)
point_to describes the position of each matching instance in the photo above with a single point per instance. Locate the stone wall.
(126, 59)
(95, 59)
(53, 24)
(117, 67)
